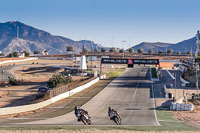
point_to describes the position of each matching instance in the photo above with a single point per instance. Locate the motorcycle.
(85, 118)
(115, 117)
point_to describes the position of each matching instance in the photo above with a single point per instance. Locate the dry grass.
(90, 131)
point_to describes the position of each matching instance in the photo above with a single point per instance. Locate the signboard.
(146, 61)
(130, 61)
(114, 61)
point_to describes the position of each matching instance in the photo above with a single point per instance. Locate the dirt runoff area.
(190, 117)
(90, 131)
(31, 75)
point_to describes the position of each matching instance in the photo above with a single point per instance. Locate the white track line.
(170, 74)
(135, 92)
(154, 100)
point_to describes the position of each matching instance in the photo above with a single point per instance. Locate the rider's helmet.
(76, 108)
(109, 108)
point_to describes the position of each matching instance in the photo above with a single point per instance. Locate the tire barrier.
(182, 107)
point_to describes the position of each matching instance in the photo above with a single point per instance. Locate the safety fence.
(56, 91)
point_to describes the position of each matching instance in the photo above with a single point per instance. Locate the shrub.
(57, 80)
(12, 80)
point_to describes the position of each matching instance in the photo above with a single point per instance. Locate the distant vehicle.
(171, 85)
(190, 85)
(43, 89)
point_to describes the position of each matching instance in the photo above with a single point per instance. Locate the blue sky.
(109, 22)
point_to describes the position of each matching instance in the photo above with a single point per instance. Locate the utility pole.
(112, 41)
(197, 80)
(17, 31)
(185, 51)
(123, 47)
(166, 44)
(91, 56)
(175, 85)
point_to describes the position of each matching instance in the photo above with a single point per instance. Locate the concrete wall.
(31, 107)
(12, 61)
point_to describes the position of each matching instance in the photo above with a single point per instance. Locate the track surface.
(130, 94)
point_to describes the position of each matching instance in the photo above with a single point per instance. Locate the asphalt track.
(130, 94)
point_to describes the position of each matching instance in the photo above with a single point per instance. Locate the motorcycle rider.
(78, 110)
(111, 110)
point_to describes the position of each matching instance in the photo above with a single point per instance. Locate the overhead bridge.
(130, 62)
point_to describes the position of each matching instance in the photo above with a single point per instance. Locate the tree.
(85, 51)
(46, 52)
(179, 53)
(57, 80)
(140, 51)
(150, 51)
(95, 50)
(170, 51)
(112, 49)
(103, 50)
(15, 54)
(121, 50)
(160, 52)
(12, 80)
(69, 48)
(131, 50)
(189, 53)
(36, 52)
(9, 55)
(26, 53)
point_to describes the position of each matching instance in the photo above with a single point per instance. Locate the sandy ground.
(32, 79)
(90, 131)
(36, 73)
(178, 93)
(190, 117)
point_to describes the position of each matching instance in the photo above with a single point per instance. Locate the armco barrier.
(184, 81)
(31, 107)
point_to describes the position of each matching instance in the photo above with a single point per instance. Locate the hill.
(183, 46)
(17, 36)
(155, 46)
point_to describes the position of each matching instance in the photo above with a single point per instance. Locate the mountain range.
(17, 36)
(183, 46)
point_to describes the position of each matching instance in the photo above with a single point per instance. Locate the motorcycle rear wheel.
(83, 120)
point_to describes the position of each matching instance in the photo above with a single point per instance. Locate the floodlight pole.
(175, 84)
(197, 80)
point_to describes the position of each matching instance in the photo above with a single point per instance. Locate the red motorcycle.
(85, 118)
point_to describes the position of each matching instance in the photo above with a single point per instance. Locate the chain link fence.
(59, 90)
